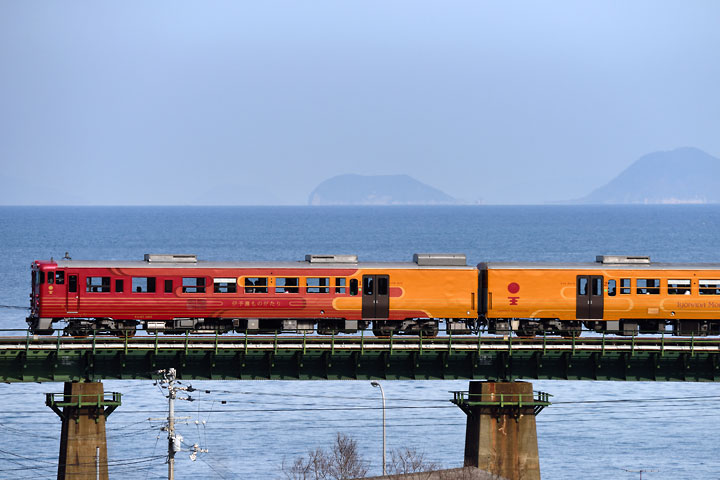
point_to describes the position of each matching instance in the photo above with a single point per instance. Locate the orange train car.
(616, 294)
(178, 293)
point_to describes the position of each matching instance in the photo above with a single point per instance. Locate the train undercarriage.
(427, 327)
(531, 327)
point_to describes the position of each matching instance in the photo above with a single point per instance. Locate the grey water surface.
(263, 423)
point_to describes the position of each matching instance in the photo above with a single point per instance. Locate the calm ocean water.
(263, 423)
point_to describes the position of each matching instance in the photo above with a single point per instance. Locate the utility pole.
(169, 377)
(174, 438)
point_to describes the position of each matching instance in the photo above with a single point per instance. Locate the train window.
(97, 284)
(340, 285)
(582, 287)
(256, 285)
(72, 283)
(60, 277)
(709, 287)
(318, 285)
(611, 288)
(225, 285)
(287, 285)
(648, 286)
(382, 286)
(168, 286)
(193, 285)
(143, 284)
(353, 286)
(42, 277)
(368, 285)
(678, 287)
(119, 286)
(625, 287)
(597, 286)
(50, 278)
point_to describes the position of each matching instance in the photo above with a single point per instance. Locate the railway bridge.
(311, 357)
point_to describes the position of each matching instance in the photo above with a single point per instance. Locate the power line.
(392, 407)
(111, 463)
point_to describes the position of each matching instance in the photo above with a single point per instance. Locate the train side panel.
(641, 294)
(530, 294)
(431, 293)
(160, 294)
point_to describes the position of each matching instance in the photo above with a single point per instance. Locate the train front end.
(43, 285)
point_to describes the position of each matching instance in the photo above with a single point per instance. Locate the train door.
(589, 303)
(376, 296)
(73, 295)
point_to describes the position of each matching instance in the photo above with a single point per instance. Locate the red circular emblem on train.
(513, 287)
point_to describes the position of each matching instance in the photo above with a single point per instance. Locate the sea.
(256, 429)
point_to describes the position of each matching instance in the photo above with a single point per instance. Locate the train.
(333, 294)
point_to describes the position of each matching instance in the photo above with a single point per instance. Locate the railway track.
(354, 343)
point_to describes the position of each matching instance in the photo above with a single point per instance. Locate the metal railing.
(536, 398)
(480, 343)
(84, 400)
(498, 402)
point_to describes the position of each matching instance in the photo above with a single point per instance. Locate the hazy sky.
(239, 102)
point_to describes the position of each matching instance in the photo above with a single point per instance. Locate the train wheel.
(570, 334)
(76, 332)
(526, 331)
(429, 332)
(129, 333)
(382, 329)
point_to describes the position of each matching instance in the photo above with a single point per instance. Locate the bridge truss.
(312, 357)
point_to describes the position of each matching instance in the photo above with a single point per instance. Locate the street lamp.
(377, 384)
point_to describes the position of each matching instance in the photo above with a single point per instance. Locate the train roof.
(597, 266)
(420, 261)
(602, 263)
(240, 265)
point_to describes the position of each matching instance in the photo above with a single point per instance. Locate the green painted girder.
(61, 359)
(494, 403)
(106, 402)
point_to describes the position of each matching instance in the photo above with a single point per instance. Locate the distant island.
(684, 175)
(377, 190)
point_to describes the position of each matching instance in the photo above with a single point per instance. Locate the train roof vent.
(440, 259)
(170, 258)
(622, 259)
(331, 258)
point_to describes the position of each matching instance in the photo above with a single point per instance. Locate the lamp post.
(376, 384)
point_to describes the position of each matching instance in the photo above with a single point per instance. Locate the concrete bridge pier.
(83, 408)
(501, 435)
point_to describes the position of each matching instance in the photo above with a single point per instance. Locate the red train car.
(177, 293)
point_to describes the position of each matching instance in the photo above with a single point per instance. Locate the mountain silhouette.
(683, 175)
(377, 190)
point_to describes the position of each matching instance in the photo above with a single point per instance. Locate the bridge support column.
(83, 408)
(501, 435)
